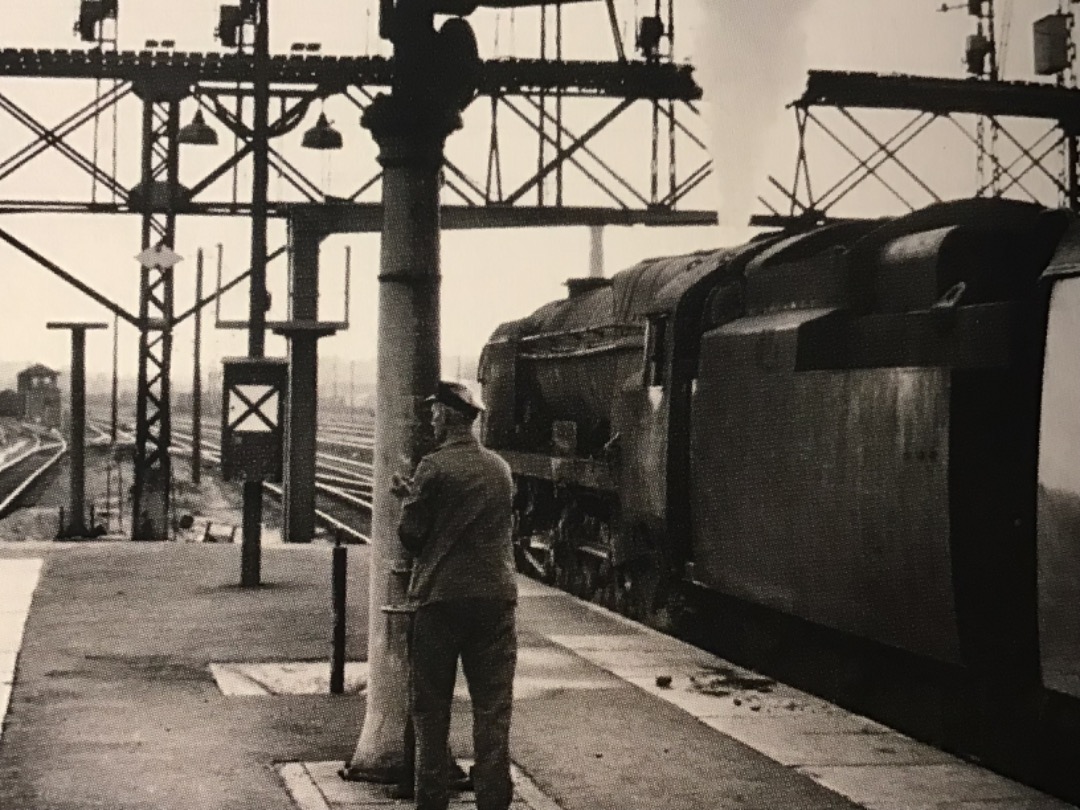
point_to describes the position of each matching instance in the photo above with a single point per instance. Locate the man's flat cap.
(457, 396)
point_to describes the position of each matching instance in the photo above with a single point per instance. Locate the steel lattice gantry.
(528, 92)
(517, 90)
(1033, 154)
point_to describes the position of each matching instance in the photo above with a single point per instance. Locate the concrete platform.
(145, 678)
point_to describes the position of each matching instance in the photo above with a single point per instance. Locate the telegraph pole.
(115, 379)
(434, 79)
(250, 549)
(196, 380)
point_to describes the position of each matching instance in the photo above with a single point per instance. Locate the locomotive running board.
(582, 472)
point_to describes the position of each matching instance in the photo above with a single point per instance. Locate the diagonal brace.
(215, 296)
(69, 125)
(55, 269)
(61, 145)
(564, 154)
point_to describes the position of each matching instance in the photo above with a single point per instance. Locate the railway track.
(342, 489)
(24, 465)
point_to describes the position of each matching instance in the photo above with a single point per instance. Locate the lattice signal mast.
(1055, 55)
(981, 60)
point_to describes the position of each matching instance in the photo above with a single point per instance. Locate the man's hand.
(400, 487)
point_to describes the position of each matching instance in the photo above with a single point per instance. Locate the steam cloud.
(752, 60)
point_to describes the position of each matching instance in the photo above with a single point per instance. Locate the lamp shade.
(322, 135)
(198, 132)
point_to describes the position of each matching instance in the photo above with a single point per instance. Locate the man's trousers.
(482, 633)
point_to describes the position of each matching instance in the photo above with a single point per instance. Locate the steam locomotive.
(869, 427)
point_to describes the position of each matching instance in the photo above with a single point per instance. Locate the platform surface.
(140, 676)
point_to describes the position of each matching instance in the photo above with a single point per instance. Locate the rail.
(30, 480)
(212, 454)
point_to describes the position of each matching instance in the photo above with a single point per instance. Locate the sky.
(752, 56)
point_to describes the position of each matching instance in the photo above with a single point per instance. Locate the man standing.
(456, 521)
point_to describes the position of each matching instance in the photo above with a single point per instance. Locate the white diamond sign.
(159, 256)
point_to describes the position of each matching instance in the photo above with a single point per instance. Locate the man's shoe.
(352, 773)
(459, 780)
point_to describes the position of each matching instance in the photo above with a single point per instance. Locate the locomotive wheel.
(563, 560)
(590, 578)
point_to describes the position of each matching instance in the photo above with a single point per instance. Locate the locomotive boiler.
(869, 427)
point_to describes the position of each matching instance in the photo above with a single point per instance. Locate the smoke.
(751, 62)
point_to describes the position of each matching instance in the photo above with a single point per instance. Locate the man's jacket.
(456, 521)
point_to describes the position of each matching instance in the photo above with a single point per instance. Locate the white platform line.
(530, 792)
(302, 788)
(317, 786)
(18, 579)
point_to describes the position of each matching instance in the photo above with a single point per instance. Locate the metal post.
(339, 573)
(76, 525)
(1072, 169)
(596, 251)
(157, 203)
(196, 380)
(78, 433)
(410, 142)
(300, 436)
(250, 551)
(115, 378)
(119, 496)
(108, 493)
(303, 397)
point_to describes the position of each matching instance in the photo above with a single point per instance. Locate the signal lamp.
(198, 132)
(650, 32)
(230, 24)
(91, 12)
(322, 136)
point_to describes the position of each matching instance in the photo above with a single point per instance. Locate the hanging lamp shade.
(198, 132)
(322, 135)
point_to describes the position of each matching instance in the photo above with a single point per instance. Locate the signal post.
(77, 519)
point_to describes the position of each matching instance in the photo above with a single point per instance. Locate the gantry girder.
(1034, 154)
(942, 96)
(669, 159)
(629, 79)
